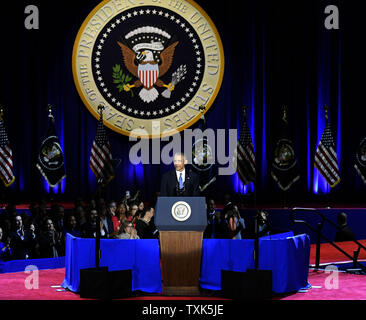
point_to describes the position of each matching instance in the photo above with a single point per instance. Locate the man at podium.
(180, 182)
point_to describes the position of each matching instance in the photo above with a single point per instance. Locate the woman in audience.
(132, 212)
(121, 211)
(127, 231)
(72, 227)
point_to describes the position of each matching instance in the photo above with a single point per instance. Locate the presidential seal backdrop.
(151, 63)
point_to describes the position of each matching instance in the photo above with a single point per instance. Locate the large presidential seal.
(151, 63)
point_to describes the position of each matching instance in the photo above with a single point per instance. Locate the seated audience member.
(33, 241)
(346, 233)
(232, 219)
(264, 228)
(80, 216)
(58, 215)
(240, 224)
(127, 231)
(71, 227)
(140, 209)
(5, 250)
(112, 212)
(49, 240)
(144, 226)
(106, 220)
(121, 211)
(20, 238)
(132, 212)
(89, 229)
(216, 226)
(141, 206)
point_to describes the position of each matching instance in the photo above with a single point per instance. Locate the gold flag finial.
(1, 112)
(245, 109)
(202, 109)
(101, 108)
(326, 108)
(284, 110)
(50, 108)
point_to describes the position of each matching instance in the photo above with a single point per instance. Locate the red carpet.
(350, 287)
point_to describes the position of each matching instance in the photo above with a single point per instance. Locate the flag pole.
(98, 252)
(4, 194)
(245, 110)
(50, 108)
(284, 118)
(326, 109)
(100, 190)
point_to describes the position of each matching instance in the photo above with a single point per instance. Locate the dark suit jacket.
(169, 184)
(19, 246)
(346, 234)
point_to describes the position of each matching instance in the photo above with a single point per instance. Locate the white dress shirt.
(183, 175)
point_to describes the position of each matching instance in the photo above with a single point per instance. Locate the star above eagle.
(148, 68)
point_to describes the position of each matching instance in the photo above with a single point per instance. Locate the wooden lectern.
(181, 222)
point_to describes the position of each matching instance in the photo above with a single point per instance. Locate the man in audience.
(49, 240)
(144, 226)
(215, 225)
(345, 233)
(58, 217)
(106, 220)
(90, 227)
(20, 238)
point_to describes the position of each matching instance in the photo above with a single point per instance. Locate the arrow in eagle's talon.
(169, 86)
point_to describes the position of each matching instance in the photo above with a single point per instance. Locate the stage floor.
(350, 287)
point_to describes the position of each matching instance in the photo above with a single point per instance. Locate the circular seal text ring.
(151, 63)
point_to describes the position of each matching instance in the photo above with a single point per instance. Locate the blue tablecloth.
(40, 264)
(141, 256)
(286, 256)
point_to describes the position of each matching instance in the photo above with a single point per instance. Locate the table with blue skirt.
(285, 254)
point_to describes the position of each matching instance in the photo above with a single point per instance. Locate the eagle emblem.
(148, 53)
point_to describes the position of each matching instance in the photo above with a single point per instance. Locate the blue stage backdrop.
(275, 53)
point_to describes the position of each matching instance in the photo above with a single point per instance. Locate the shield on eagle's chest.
(148, 74)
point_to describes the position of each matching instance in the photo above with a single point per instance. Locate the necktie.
(180, 181)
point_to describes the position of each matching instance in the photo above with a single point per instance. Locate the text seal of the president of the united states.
(151, 63)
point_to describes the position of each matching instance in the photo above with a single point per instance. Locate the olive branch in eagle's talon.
(121, 79)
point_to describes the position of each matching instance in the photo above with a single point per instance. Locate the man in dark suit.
(345, 233)
(180, 182)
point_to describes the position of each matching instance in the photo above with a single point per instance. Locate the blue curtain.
(275, 54)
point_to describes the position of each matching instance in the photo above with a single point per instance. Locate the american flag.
(6, 157)
(326, 157)
(101, 162)
(245, 157)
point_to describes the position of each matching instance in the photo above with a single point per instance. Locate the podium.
(181, 222)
